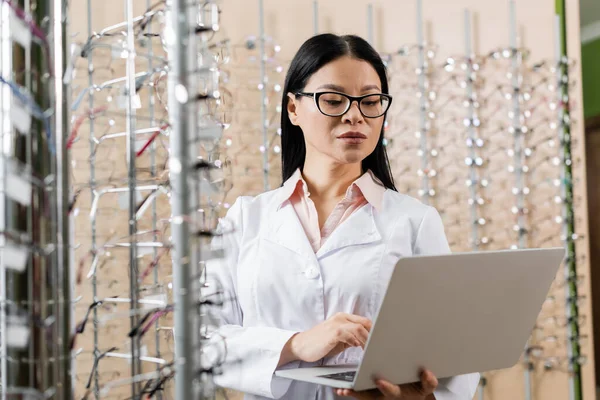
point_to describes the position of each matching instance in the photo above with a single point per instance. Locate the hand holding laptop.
(409, 391)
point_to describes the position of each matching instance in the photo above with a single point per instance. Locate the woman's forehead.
(344, 74)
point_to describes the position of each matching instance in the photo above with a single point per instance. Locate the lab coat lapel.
(286, 230)
(358, 229)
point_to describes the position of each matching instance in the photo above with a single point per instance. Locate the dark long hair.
(314, 54)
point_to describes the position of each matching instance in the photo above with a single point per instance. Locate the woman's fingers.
(357, 325)
(366, 395)
(357, 319)
(429, 382)
(358, 332)
(347, 336)
(388, 389)
(363, 334)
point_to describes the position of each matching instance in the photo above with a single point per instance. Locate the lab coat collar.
(286, 230)
(368, 184)
(359, 229)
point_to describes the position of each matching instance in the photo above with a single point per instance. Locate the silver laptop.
(452, 314)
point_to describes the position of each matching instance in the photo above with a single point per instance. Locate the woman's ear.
(292, 109)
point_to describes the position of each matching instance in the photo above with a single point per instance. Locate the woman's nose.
(353, 115)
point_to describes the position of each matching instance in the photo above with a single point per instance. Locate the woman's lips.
(352, 140)
(352, 137)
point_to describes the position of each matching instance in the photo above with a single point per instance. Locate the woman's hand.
(386, 390)
(330, 337)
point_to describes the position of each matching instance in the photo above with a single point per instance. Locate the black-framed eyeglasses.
(336, 104)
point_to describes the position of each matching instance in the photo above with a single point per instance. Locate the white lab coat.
(282, 287)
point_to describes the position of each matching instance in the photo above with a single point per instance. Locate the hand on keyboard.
(329, 338)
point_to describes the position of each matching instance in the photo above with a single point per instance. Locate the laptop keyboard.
(341, 376)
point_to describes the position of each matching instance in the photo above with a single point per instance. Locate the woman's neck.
(330, 182)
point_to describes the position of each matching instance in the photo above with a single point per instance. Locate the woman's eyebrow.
(338, 88)
(370, 87)
(331, 86)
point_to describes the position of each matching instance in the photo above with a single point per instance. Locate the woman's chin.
(352, 157)
(350, 160)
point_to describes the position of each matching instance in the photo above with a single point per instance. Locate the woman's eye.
(370, 103)
(333, 102)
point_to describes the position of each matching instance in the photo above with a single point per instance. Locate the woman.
(308, 262)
